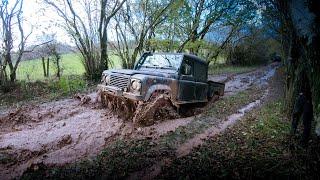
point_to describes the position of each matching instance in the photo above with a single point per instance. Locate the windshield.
(162, 61)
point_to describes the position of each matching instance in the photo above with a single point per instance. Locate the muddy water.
(244, 81)
(55, 133)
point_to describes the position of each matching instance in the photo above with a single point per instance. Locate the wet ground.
(68, 130)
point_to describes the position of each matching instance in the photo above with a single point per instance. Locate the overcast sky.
(41, 18)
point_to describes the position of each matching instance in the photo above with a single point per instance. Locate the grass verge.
(228, 69)
(260, 146)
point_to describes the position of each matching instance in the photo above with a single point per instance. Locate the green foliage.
(67, 85)
(248, 53)
(270, 123)
(253, 49)
(163, 45)
(198, 44)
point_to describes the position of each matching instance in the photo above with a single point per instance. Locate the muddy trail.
(69, 130)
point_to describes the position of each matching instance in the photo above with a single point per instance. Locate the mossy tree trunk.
(303, 63)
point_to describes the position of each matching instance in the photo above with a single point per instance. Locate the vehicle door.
(186, 81)
(200, 77)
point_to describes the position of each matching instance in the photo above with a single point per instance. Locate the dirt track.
(68, 130)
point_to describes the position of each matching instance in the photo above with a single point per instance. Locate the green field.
(71, 64)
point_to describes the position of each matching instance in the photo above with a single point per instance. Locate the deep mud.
(53, 133)
(68, 130)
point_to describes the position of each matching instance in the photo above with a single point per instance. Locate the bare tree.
(86, 22)
(135, 26)
(11, 21)
(203, 16)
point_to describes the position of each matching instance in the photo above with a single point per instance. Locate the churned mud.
(53, 133)
(69, 130)
(242, 82)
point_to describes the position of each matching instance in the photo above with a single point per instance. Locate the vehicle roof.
(194, 57)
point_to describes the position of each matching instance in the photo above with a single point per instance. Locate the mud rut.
(68, 130)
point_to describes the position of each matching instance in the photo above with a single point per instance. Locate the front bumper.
(114, 91)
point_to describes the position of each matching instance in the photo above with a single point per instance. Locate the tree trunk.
(104, 57)
(44, 67)
(13, 76)
(58, 68)
(48, 63)
(303, 65)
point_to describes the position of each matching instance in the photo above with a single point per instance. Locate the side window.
(187, 67)
(200, 72)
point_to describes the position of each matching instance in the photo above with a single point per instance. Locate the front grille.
(120, 81)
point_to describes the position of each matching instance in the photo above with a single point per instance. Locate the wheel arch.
(155, 88)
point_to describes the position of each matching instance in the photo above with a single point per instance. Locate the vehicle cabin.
(193, 76)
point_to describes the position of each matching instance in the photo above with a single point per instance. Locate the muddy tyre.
(156, 109)
(122, 107)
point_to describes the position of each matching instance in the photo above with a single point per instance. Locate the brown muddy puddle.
(69, 130)
(53, 133)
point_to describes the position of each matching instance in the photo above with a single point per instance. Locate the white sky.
(41, 18)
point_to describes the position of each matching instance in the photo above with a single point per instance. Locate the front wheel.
(156, 109)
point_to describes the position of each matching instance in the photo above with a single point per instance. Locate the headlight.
(107, 79)
(135, 84)
(103, 77)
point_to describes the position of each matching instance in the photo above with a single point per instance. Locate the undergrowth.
(24, 91)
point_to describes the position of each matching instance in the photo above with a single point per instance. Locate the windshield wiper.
(166, 58)
(153, 66)
(167, 67)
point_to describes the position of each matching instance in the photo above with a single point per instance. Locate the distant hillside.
(39, 52)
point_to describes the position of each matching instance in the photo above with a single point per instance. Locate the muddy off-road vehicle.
(160, 86)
